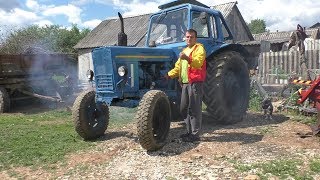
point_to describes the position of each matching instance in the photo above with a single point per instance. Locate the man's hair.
(193, 31)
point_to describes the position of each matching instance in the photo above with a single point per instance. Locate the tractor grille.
(104, 82)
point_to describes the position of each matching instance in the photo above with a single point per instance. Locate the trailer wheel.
(226, 87)
(91, 120)
(4, 100)
(153, 120)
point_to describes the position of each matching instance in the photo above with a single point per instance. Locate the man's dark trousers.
(191, 106)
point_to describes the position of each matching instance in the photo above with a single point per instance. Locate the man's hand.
(182, 55)
(166, 77)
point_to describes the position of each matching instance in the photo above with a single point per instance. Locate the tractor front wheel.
(226, 87)
(153, 120)
(91, 120)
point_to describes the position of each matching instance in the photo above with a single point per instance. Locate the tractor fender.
(237, 48)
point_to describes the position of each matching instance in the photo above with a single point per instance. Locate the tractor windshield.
(168, 27)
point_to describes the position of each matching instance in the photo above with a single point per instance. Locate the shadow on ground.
(243, 138)
(252, 119)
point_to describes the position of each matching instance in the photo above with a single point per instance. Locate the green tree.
(69, 38)
(257, 26)
(47, 39)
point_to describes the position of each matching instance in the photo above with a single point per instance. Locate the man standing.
(190, 69)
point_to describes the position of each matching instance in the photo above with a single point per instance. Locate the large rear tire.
(227, 87)
(4, 100)
(91, 120)
(153, 120)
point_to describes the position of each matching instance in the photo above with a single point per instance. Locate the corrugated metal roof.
(272, 35)
(257, 42)
(106, 33)
(316, 25)
(279, 37)
(312, 33)
(225, 9)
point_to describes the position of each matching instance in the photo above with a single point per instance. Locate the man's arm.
(175, 71)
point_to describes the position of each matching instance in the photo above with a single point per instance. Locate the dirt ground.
(118, 154)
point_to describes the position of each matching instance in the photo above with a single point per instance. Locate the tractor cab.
(167, 27)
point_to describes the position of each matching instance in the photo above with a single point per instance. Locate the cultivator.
(311, 92)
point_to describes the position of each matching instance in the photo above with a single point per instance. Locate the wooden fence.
(275, 67)
(312, 44)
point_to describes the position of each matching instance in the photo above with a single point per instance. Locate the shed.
(235, 21)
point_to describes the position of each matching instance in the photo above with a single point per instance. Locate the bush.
(255, 100)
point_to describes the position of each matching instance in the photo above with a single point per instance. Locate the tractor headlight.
(122, 71)
(90, 74)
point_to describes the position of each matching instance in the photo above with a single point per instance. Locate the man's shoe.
(191, 138)
(184, 135)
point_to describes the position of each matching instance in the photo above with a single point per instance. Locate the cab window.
(168, 27)
(200, 24)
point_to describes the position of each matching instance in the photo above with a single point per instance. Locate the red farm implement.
(311, 92)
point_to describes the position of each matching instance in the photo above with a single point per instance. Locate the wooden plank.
(263, 68)
(287, 62)
(269, 70)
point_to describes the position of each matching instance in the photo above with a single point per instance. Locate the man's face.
(190, 39)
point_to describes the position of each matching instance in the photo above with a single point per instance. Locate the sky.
(279, 15)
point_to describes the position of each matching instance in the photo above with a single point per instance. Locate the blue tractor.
(125, 76)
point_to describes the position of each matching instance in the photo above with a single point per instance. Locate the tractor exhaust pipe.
(122, 37)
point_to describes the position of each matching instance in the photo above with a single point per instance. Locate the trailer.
(49, 77)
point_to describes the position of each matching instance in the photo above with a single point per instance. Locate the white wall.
(84, 64)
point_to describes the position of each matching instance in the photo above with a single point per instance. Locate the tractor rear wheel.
(4, 100)
(226, 87)
(153, 120)
(91, 120)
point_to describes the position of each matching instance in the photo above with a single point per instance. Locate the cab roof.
(179, 2)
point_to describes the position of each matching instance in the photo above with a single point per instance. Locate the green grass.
(315, 165)
(305, 119)
(45, 138)
(265, 130)
(283, 169)
(244, 167)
